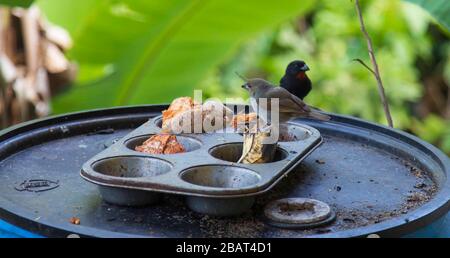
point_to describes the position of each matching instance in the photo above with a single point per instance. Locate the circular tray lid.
(376, 180)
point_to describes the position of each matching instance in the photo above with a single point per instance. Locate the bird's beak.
(245, 86)
(305, 68)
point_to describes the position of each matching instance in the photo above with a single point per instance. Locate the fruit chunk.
(161, 144)
(242, 119)
(184, 115)
(178, 105)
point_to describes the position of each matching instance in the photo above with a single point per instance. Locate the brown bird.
(290, 106)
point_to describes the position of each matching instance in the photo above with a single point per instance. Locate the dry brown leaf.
(30, 52)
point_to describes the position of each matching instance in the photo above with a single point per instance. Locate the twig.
(364, 64)
(241, 76)
(376, 72)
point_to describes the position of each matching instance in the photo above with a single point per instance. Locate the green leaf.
(15, 3)
(439, 10)
(159, 50)
(72, 15)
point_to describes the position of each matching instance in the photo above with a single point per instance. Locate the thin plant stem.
(375, 70)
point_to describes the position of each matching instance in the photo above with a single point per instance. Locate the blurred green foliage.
(154, 51)
(20, 3)
(133, 52)
(439, 10)
(328, 39)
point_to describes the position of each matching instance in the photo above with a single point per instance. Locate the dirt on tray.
(423, 190)
(251, 225)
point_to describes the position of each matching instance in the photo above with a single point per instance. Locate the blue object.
(439, 228)
(10, 231)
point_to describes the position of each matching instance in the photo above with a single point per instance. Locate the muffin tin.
(207, 173)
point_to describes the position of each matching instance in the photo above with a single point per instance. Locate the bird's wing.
(300, 103)
(277, 92)
(287, 101)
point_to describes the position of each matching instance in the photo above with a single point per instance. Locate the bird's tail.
(318, 115)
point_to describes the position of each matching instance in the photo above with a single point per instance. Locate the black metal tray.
(372, 176)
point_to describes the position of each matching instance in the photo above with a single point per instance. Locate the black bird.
(295, 79)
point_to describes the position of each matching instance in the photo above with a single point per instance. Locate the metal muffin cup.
(220, 176)
(130, 167)
(157, 121)
(292, 133)
(232, 152)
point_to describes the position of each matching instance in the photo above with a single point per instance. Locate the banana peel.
(255, 151)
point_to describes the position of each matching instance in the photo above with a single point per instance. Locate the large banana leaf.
(158, 49)
(14, 3)
(439, 10)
